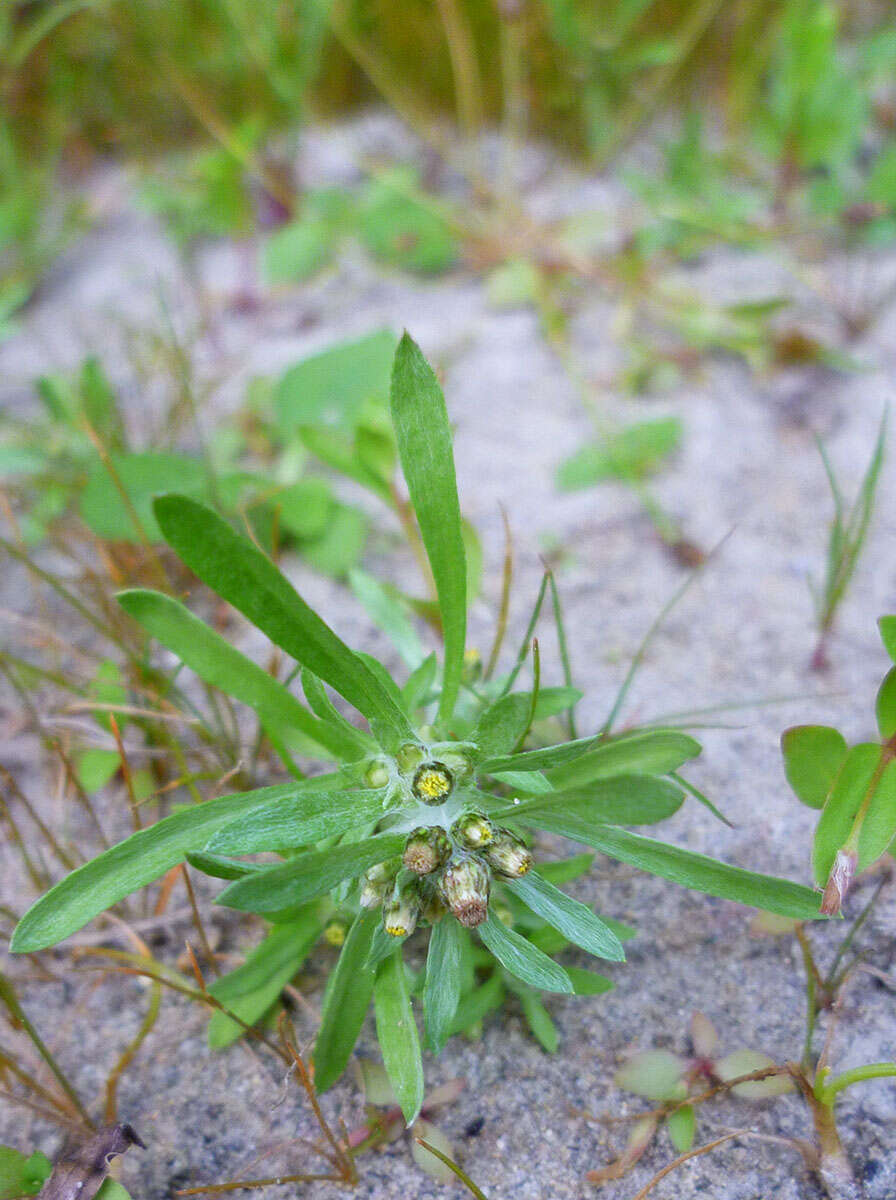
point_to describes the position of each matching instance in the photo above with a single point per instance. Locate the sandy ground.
(748, 468)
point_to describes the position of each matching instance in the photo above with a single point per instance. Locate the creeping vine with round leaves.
(427, 818)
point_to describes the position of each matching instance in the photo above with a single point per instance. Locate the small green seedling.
(424, 823)
(673, 1079)
(853, 786)
(682, 1084)
(846, 538)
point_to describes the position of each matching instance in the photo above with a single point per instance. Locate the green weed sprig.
(425, 820)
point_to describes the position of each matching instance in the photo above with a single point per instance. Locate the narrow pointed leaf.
(523, 959)
(539, 1021)
(240, 573)
(346, 1001)
(138, 860)
(253, 988)
(423, 434)
(396, 1031)
(653, 752)
(502, 725)
(388, 613)
(442, 990)
(217, 662)
(588, 983)
(575, 921)
(691, 870)
(356, 742)
(297, 821)
(620, 800)
(309, 875)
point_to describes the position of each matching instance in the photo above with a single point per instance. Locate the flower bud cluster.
(443, 871)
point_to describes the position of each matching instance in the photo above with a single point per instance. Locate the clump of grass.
(846, 539)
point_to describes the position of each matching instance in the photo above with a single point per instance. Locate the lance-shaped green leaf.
(588, 983)
(253, 988)
(423, 434)
(695, 871)
(138, 860)
(346, 1001)
(539, 1021)
(523, 959)
(502, 725)
(387, 611)
(239, 572)
(652, 752)
(217, 662)
(620, 800)
(297, 821)
(396, 1032)
(301, 879)
(813, 756)
(443, 979)
(357, 742)
(478, 1003)
(860, 813)
(575, 921)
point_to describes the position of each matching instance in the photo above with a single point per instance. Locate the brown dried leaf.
(79, 1174)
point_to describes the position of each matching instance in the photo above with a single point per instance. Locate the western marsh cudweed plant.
(425, 820)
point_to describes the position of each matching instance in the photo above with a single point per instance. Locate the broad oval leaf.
(523, 959)
(887, 626)
(653, 1074)
(423, 434)
(745, 1062)
(575, 921)
(240, 573)
(813, 756)
(301, 879)
(865, 790)
(138, 860)
(885, 706)
(396, 1032)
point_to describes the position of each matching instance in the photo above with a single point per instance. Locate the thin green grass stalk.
(527, 636)
(454, 1168)
(504, 610)
(846, 539)
(20, 1019)
(564, 651)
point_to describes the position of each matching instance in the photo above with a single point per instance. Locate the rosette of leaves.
(439, 768)
(853, 786)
